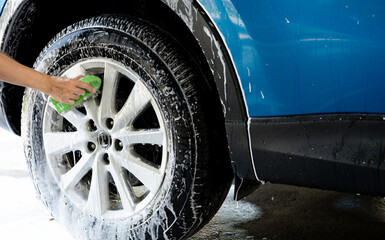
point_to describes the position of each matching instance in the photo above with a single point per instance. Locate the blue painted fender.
(306, 57)
(2, 4)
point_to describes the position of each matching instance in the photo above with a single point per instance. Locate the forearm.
(62, 89)
(18, 74)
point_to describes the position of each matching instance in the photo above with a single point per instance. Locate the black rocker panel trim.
(343, 152)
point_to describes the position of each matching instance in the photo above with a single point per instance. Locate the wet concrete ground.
(271, 212)
(287, 212)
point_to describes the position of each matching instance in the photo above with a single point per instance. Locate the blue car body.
(301, 82)
(2, 3)
(305, 57)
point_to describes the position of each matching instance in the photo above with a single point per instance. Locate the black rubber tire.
(201, 176)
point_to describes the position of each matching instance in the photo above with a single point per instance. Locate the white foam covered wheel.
(146, 158)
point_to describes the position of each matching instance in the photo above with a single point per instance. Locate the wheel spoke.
(91, 108)
(147, 174)
(75, 71)
(138, 100)
(125, 191)
(107, 104)
(57, 143)
(152, 136)
(81, 168)
(76, 118)
(98, 198)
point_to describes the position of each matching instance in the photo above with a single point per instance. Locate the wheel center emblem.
(104, 140)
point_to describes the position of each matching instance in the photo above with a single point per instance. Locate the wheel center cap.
(104, 140)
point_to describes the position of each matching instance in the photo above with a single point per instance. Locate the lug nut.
(91, 126)
(118, 145)
(106, 159)
(110, 123)
(91, 146)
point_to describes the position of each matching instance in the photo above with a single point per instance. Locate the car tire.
(147, 157)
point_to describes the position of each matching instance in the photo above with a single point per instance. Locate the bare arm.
(62, 89)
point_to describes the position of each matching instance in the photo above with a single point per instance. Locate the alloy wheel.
(109, 155)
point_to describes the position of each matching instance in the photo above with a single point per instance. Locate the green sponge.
(94, 81)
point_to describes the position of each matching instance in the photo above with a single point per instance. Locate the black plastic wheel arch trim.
(230, 92)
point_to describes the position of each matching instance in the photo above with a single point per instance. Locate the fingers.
(70, 102)
(68, 90)
(85, 86)
(78, 91)
(79, 77)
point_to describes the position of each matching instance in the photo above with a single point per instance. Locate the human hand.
(67, 90)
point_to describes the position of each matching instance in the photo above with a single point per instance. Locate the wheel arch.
(187, 21)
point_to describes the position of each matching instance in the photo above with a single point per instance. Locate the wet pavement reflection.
(286, 212)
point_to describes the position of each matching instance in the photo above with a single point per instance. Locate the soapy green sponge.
(94, 81)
